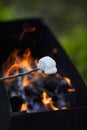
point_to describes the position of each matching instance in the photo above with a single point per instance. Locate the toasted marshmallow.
(47, 64)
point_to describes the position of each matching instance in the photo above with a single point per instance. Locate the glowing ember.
(55, 50)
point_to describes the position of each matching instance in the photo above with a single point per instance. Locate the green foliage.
(75, 44)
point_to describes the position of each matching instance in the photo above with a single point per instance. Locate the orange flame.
(68, 81)
(26, 81)
(24, 107)
(71, 90)
(26, 30)
(15, 62)
(47, 101)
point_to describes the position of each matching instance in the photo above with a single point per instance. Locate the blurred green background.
(67, 19)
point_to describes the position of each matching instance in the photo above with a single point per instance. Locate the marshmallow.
(47, 64)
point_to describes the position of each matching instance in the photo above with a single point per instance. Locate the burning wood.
(42, 90)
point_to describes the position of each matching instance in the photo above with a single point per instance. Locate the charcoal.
(16, 103)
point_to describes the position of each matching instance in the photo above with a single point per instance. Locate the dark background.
(67, 19)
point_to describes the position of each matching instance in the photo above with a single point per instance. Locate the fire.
(71, 89)
(15, 62)
(25, 30)
(26, 81)
(68, 81)
(22, 62)
(47, 101)
(24, 107)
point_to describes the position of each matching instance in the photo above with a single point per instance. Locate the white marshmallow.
(47, 64)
